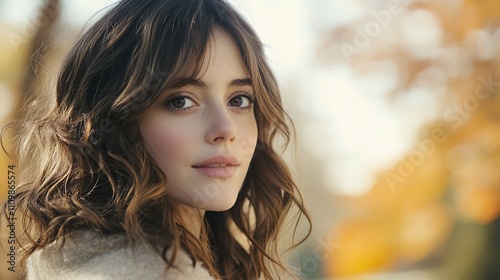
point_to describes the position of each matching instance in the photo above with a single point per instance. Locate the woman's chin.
(221, 204)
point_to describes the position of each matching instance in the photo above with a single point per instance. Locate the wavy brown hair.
(84, 165)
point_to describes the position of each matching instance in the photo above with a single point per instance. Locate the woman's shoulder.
(89, 255)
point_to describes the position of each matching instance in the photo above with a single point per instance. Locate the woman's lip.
(218, 160)
(218, 172)
(219, 167)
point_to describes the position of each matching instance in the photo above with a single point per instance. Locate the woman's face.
(203, 132)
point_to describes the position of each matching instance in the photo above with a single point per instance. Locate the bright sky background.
(353, 126)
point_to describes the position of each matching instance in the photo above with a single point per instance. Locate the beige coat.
(88, 255)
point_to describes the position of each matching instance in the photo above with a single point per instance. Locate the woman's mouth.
(219, 167)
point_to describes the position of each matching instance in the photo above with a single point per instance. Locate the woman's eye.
(181, 103)
(241, 101)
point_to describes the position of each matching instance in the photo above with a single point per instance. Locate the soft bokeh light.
(422, 34)
(363, 130)
(19, 11)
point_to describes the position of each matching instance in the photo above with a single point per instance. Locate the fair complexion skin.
(203, 133)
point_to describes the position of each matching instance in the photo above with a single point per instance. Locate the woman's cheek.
(166, 142)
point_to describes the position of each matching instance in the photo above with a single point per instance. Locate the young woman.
(155, 158)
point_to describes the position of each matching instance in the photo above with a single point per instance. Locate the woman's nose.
(221, 127)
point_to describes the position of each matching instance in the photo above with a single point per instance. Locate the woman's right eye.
(180, 103)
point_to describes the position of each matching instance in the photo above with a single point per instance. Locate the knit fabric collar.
(89, 255)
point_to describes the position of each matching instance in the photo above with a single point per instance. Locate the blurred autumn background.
(396, 105)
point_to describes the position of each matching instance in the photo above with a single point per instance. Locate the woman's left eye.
(243, 101)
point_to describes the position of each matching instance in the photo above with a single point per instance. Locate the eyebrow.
(182, 82)
(240, 82)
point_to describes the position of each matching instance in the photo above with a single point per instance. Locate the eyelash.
(168, 103)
